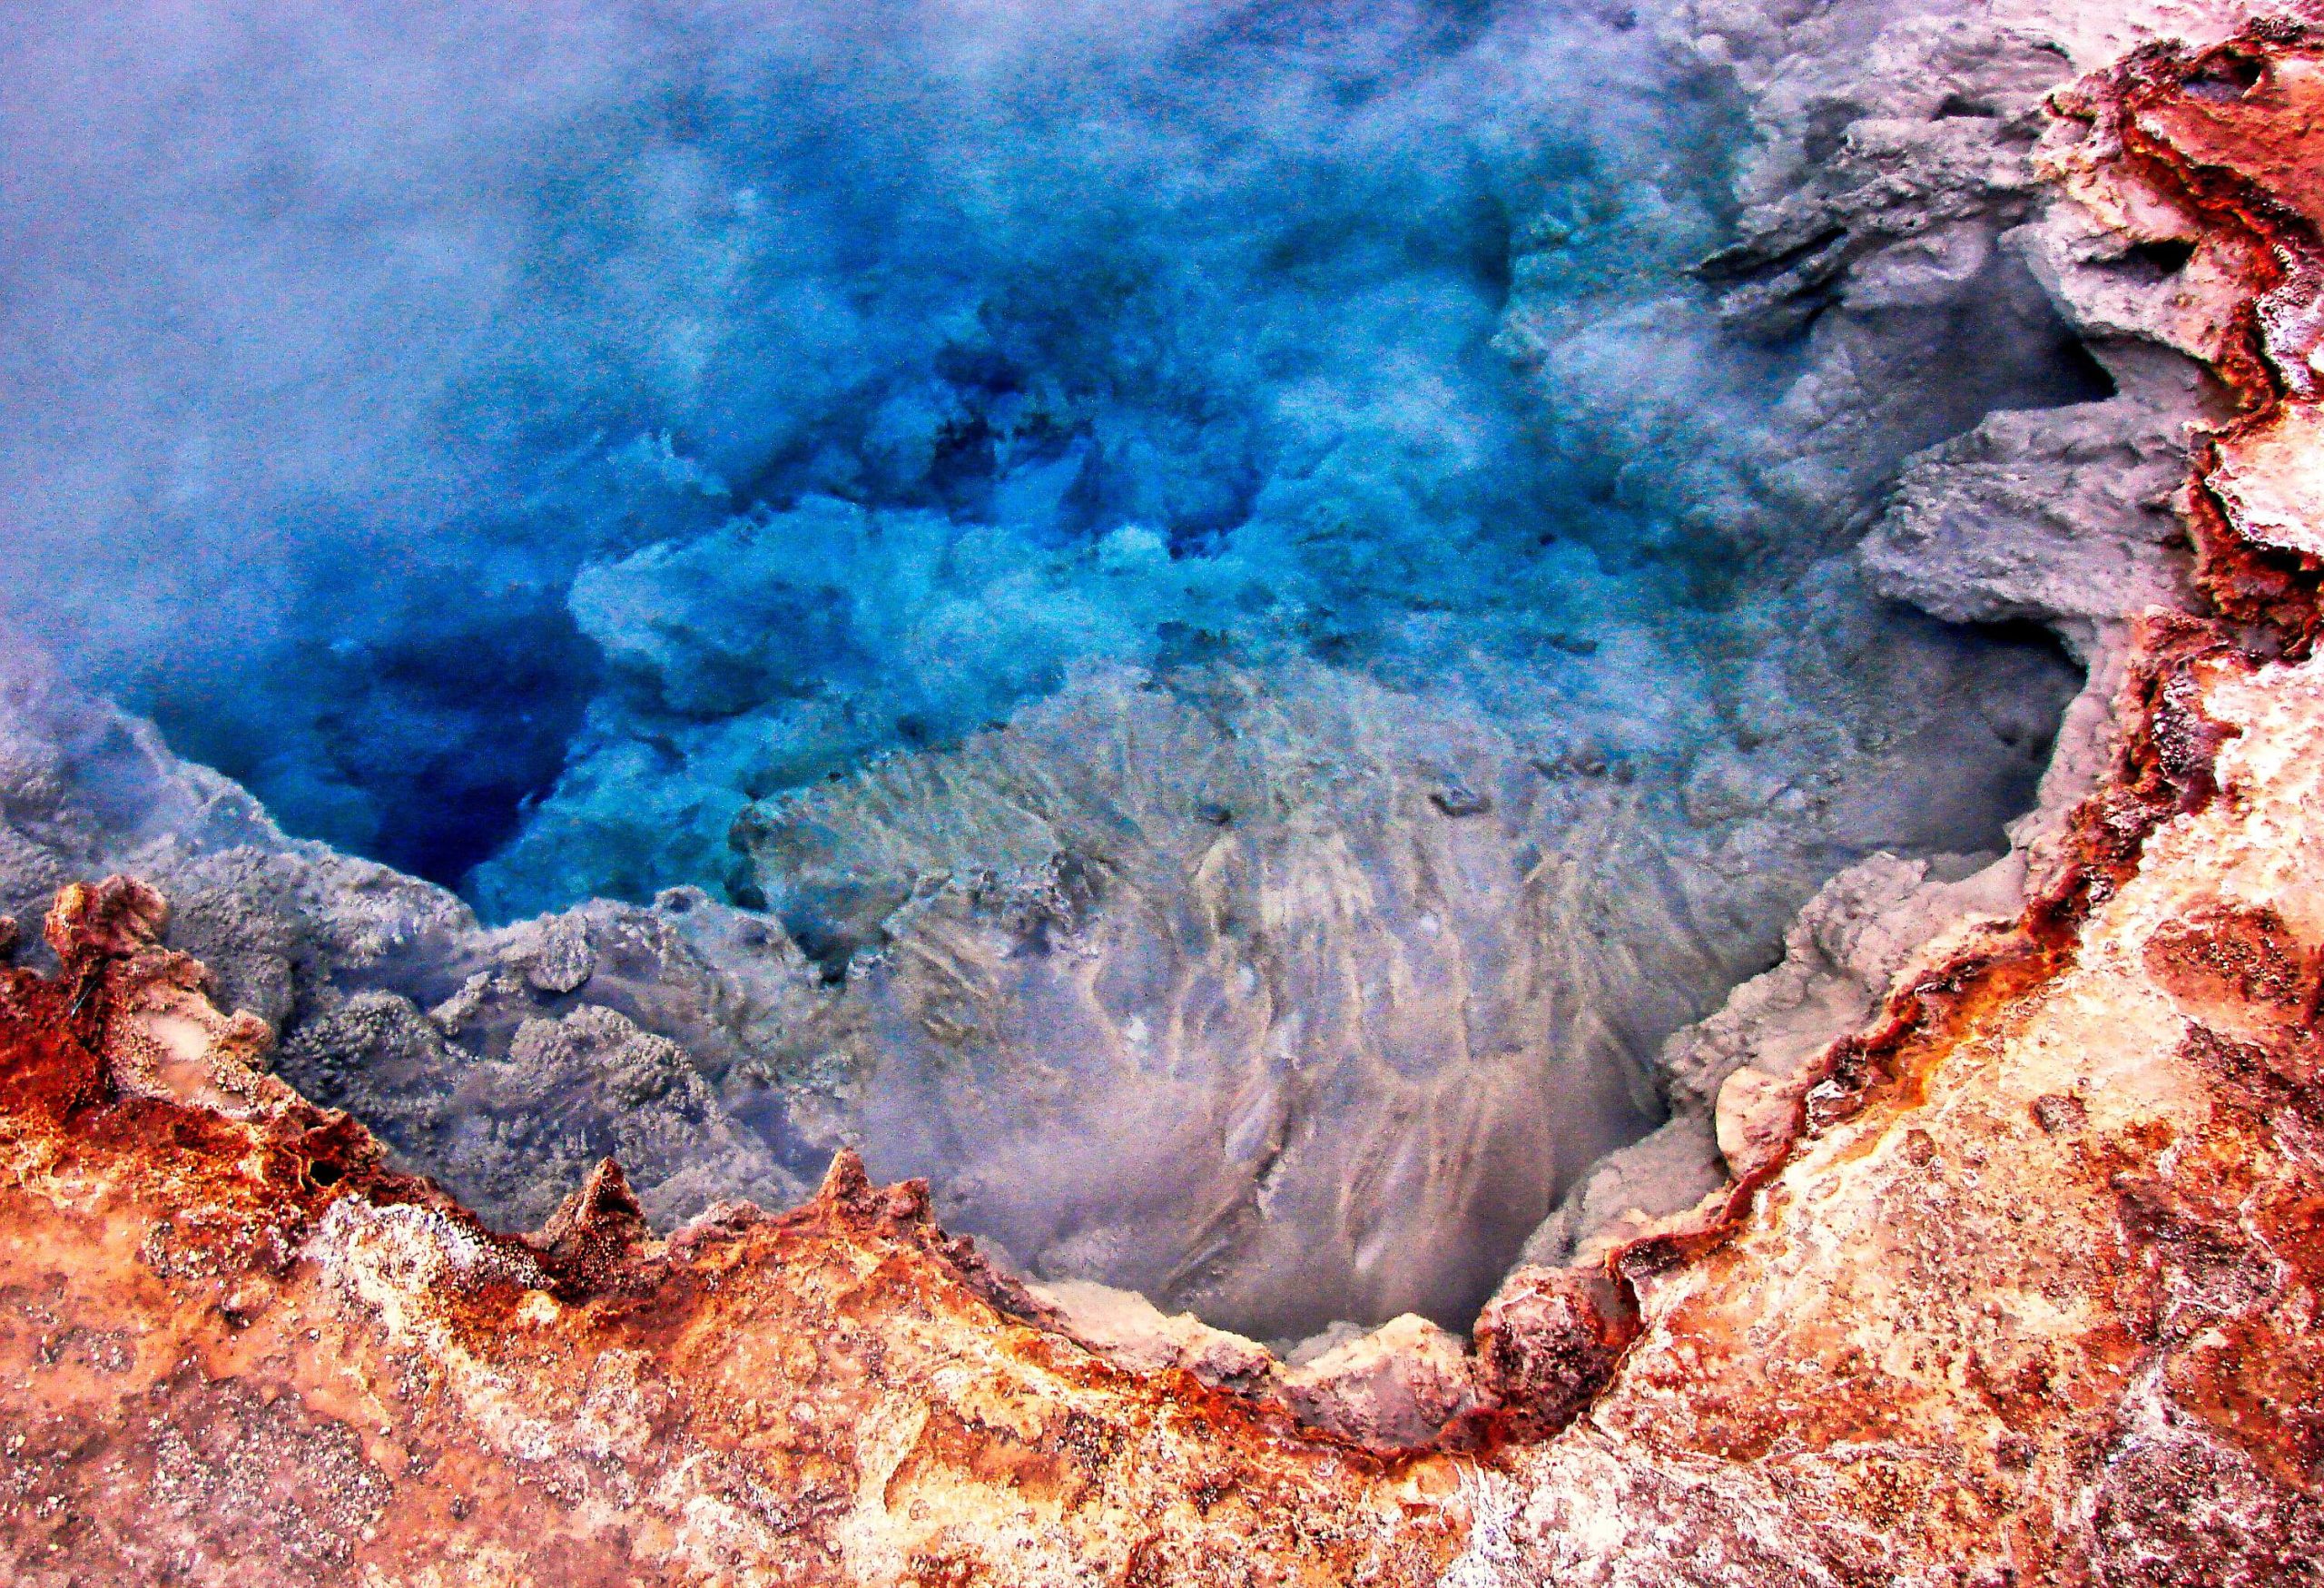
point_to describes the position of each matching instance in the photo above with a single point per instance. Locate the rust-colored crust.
(2253, 168)
(2034, 1295)
(2043, 1350)
(231, 1334)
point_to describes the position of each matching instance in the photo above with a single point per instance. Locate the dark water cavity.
(538, 447)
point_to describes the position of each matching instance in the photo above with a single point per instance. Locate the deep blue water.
(511, 438)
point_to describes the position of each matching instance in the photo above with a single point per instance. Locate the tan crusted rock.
(1393, 1389)
(1133, 1331)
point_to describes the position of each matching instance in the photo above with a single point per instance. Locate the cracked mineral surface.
(1982, 1247)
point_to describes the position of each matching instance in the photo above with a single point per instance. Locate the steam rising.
(540, 445)
(937, 347)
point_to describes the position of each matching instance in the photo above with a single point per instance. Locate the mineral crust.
(2018, 1284)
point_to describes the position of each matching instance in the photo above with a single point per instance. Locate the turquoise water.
(510, 438)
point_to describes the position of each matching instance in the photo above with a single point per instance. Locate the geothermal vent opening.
(1196, 620)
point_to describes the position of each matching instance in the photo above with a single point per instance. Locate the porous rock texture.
(2018, 1282)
